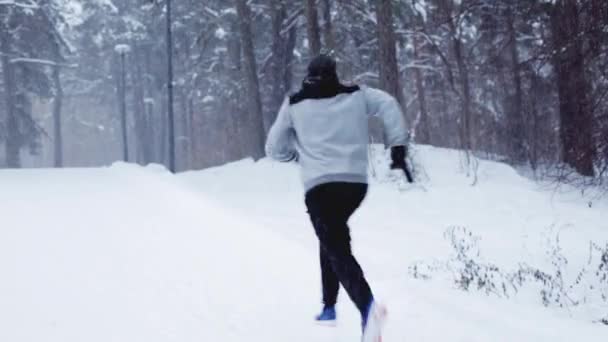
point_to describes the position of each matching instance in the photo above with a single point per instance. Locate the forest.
(192, 84)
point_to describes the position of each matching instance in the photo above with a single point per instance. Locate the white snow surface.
(127, 253)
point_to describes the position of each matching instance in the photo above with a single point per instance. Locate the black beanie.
(323, 66)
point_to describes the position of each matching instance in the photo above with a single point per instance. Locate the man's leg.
(347, 269)
(330, 207)
(329, 280)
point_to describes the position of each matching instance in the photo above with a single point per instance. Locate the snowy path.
(132, 254)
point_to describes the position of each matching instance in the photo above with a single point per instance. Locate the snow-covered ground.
(135, 254)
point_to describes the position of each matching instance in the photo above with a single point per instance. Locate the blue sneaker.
(327, 316)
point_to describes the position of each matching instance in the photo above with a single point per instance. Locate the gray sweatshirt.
(330, 135)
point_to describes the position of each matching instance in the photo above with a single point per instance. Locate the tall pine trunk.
(12, 146)
(283, 45)
(139, 107)
(292, 39)
(576, 132)
(328, 34)
(465, 85)
(57, 105)
(256, 117)
(162, 134)
(234, 122)
(314, 33)
(423, 132)
(516, 119)
(389, 69)
(466, 134)
(123, 108)
(279, 49)
(150, 141)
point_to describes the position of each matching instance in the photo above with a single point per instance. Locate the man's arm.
(386, 107)
(383, 105)
(279, 144)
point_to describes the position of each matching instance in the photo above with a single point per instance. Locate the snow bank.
(136, 254)
(127, 254)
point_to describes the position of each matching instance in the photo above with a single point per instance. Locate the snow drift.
(127, 253)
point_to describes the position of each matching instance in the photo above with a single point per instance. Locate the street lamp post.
(122, 50)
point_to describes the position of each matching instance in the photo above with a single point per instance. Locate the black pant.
(330, 206)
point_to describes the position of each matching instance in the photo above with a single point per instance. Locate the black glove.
(398, 154)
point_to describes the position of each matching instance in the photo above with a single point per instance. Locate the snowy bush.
(470, 272)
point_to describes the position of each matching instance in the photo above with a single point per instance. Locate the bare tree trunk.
(292, 39)
(533, 151)
(151, 127)
(256, 117)
(57, 105)
(170, 111)
(12, 145)
(279, 49)
(283, 45)
(162, 133)
(239, 148)
(446, 123)
(139, 109)
(330, 43)
(182, 127)
(123, 108)
(389, 70)
(192, 136)
(423, 129)
(189, 110)
(465, 86)
(516, 121)
(576, 135)
(314, 35)
(148, 137)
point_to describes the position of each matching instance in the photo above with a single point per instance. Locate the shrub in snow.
(469, 272)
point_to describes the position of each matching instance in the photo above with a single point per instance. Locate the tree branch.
(29, 5)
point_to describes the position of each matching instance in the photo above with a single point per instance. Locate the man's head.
(323, 67)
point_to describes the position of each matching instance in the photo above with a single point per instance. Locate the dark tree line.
(523, 81)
